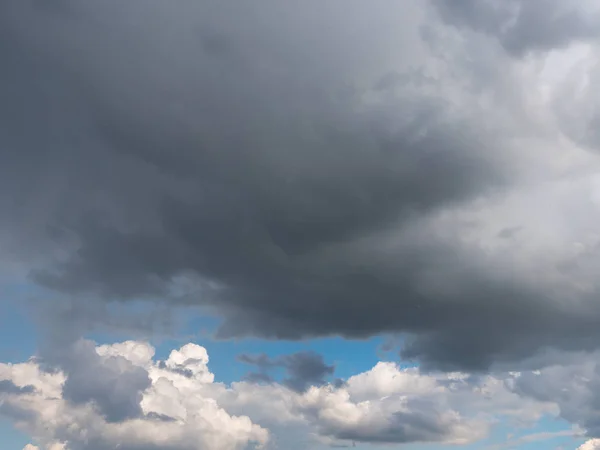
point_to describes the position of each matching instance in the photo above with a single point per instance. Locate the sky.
(299, 225)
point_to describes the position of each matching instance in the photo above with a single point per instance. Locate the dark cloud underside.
(286, 158)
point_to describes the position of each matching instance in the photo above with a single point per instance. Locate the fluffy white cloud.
(171, 418)
(55, 446)
(184, 408)
(592, 444)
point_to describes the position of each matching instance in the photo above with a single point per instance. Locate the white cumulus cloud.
(182, 406)
(592, 444)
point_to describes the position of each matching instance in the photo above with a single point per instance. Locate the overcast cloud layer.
(306, 168)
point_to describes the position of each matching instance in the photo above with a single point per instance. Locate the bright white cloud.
(184, 408)
(172, 418)
(592, 444)
(54, 446)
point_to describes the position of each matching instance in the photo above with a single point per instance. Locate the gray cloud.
(418, 425)
(113, 384)
(259, 377)
(181, 370)
(297, 172)
(16, 413)
(508, 233)
(573, 386)
(523, 26)
(8, 387)
(8, 409)
(303, 369)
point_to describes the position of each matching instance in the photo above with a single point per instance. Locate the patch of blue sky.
(349, 356)
(11, 438)
(19, 338)
(548, 433)
(18, 335)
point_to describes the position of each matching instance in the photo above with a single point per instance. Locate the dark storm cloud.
(303, 369)
(525, 25)
(265, 153)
